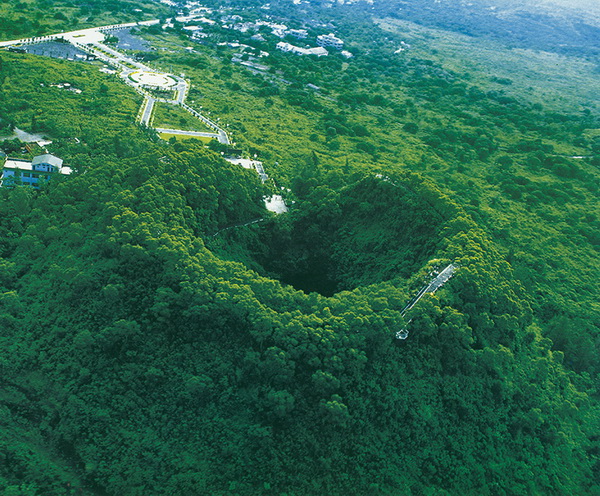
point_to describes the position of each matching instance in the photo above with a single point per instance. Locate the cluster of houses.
(288, 47)
(324, 40)
(199, 15)
(32, 173)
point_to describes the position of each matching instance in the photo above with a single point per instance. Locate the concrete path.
(223, 138)
(254, 221)
(148, 106)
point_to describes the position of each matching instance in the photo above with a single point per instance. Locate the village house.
(34, 173)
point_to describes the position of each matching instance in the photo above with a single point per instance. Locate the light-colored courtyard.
(153, 79)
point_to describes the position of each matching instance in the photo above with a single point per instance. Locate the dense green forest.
(145, 348)
(569, 28)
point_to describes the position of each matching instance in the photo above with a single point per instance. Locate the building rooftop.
(47, 158)
(15, 163)
(26, 165)
(287, 47)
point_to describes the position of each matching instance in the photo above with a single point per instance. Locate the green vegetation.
(492, 64)
(181, 137)
(29, 18)
(30, 102)
(370, 231)
(145, 349)
(563, 27)
(174, 117)
(505, 158)
(149, 340)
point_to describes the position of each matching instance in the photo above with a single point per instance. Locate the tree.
(411, 127)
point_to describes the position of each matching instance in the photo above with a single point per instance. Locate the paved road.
(181, 89)
(121, 57)
(147, 113)
(261, 172)
(221, 136)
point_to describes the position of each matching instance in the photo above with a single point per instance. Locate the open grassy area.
(174, 117)
(179, 137)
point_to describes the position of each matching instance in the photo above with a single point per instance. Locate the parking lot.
(128, 41)
(56, 50)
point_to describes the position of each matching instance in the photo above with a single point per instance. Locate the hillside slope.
(142, 354)
(142, 364)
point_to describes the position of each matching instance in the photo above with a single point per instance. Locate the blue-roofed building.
(33, 173)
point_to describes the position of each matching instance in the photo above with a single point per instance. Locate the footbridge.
(431, 287)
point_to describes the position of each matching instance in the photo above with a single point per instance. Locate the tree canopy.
(154, 341)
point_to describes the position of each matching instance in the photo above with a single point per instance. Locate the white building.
(285, 47)
(204, 20)
(318, 51)
(278, 30)
(244, 27)
(297, 33)
(33, 173)
(288, 47)
(330, 40)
